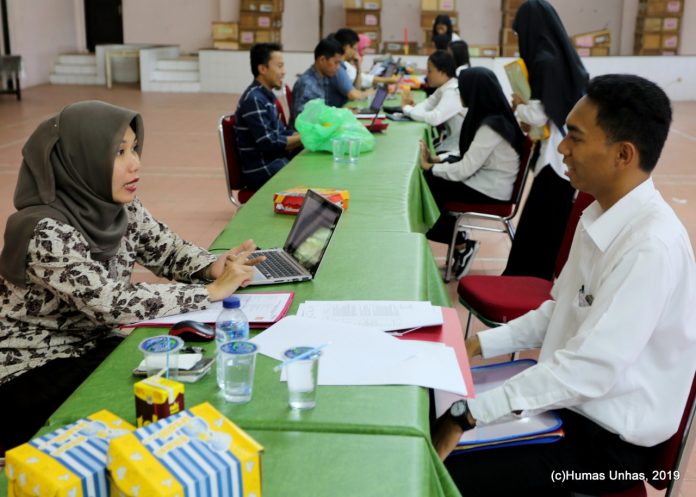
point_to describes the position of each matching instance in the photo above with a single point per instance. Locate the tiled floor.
(183, 182)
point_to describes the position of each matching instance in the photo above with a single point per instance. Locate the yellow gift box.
(290, 201)
(197, 452)
(69, 462)
(157, 398)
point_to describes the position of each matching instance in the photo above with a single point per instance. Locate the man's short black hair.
(633, 109)
(346, 36)
(460, 52)
(328, 47)
(261, 54)
(443, 62)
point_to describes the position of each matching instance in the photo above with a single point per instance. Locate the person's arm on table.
(433, 111)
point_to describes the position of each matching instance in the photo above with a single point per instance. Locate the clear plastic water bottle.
(231, 324)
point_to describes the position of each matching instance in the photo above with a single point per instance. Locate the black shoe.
(463, 259)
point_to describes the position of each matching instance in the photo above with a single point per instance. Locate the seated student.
(362, 79)
(342, 86)
(485, 167)
(460, 52)
(618, 337)
(443, 109)
(443, 33)
(66, 266)
(314, 82)
(263, 142)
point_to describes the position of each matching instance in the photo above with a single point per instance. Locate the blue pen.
(303, 355)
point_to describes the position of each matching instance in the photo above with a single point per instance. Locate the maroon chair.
(502, 213)
(288, 101)
(495, 300)
(230, 161)
(672, 455)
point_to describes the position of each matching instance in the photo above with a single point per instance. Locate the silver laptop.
(305, 246)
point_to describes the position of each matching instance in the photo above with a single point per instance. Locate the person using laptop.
(460, 51)
(484, 169)
(69, 254)
(443, 109)
(314, 82)
(264, 143)
(343, 86)
(617, 336)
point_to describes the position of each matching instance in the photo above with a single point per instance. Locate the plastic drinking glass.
(162, 353)
(302, 378)
(238, 360)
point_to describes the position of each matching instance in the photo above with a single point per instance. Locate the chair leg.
(510, 229)
(468, 325)
(450, 251)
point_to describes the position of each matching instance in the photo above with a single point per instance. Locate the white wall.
(39, 31)
(2, 36)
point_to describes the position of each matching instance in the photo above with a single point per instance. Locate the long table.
(367, 440)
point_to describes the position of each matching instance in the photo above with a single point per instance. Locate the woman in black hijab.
(443, 32)
(557, 79)
(69, 253)
(484, 168)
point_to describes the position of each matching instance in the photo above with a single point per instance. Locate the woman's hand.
(406, 97)
(426, 162)
(473, 346)
(234, 275)
(516, 100)
(237, 255)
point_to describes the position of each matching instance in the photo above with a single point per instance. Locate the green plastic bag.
(318, 124)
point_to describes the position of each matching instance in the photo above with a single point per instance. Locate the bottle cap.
(231, 303)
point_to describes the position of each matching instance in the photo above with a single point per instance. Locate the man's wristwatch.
(459, 412)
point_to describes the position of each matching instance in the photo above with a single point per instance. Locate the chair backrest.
(581, 202)
(522, 172)
(230, 157)
(673, 453)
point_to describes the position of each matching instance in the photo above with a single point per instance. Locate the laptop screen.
(378, 99)
(312, 230)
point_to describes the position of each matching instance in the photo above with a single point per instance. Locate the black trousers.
(451, 191)
(541, 227)
(593, 460)
(30, 399)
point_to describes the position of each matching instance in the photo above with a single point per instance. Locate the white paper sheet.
(358, 355)
(258, 308)
(387, 315)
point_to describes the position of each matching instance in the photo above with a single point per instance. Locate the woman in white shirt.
(558, 80)
(485, 169)
(443, 109)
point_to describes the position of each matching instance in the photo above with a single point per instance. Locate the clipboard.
(518, 76)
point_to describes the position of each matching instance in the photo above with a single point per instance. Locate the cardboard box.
(262, 6)
(661, 7)
(225, 30)
(508, 37)
(656, 24)
(510, 50)
(657, 41)
(429, 5)
(428, 18)
(446, 5)
(260, 20)
(148, 463)
(226, 45)
(374, 34)
(362, 18)
(512, 4)
(592, 39)
(289, 201)
(157, 398)
(66, 462)
(399, 48)
(363, 4)
(593, 52)
(508, 18)
(249, 37)
(655, 52)
(484, 50)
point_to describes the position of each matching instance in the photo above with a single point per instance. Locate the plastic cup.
(340, 150)
(353, 150)
(238, 360)
(162, 355)
(302, 378)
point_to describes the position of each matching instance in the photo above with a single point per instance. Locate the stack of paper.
(360, 355)
(386, 315)
(261, 309)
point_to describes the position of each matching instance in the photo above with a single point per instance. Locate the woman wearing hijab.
(558, 80)
(443, 109)
(66, 266)
(485, 169)
(443, 33)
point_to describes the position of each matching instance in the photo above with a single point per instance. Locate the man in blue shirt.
(313, 83)
(341, 86)
(263, 141)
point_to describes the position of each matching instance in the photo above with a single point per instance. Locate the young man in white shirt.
(618, 338)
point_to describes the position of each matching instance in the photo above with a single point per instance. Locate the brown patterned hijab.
(66, 175)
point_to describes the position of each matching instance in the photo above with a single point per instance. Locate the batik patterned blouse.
(71, 301)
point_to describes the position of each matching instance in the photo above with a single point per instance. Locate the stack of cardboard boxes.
(508, 39)
(363, 16)
(260, 21)
(226, 35)
(430, 9)
(594, 43)
(657, 27)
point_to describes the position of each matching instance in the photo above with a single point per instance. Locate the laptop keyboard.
(275, 265)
